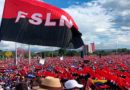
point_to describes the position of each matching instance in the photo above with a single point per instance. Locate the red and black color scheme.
(37, 23)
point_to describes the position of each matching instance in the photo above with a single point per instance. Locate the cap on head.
(70, 84)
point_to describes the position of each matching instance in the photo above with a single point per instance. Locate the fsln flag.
(38, 23)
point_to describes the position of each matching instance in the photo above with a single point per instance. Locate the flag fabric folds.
(38, 23)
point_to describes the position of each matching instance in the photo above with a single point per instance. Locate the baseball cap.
(72, 84)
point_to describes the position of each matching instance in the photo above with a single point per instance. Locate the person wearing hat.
(72, 85)
(50, 83)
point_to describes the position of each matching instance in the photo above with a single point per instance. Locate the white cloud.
(102, 21)
(1, 9)
(7, 45)
(91, 19)
(119, 9)
(125, 28)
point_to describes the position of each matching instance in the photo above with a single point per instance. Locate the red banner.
(38, 23)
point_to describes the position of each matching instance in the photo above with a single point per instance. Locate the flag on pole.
(38, 23)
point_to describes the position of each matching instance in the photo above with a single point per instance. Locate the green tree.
(62, 51)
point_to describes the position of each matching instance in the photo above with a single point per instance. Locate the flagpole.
(16, 58)
(29, 54)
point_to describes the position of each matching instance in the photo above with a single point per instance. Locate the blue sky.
(65, 3)
(105, 22)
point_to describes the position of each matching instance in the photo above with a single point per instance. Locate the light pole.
(16, 57)
(29, 54)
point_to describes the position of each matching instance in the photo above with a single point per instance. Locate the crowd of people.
(110, 72)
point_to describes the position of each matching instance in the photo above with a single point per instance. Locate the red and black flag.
(37, 23)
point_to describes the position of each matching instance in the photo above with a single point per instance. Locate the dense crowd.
(110, 72)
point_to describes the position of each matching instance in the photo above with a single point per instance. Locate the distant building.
(85, 49)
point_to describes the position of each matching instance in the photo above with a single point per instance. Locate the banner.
(38, 23)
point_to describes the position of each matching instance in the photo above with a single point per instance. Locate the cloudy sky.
(105, 22)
